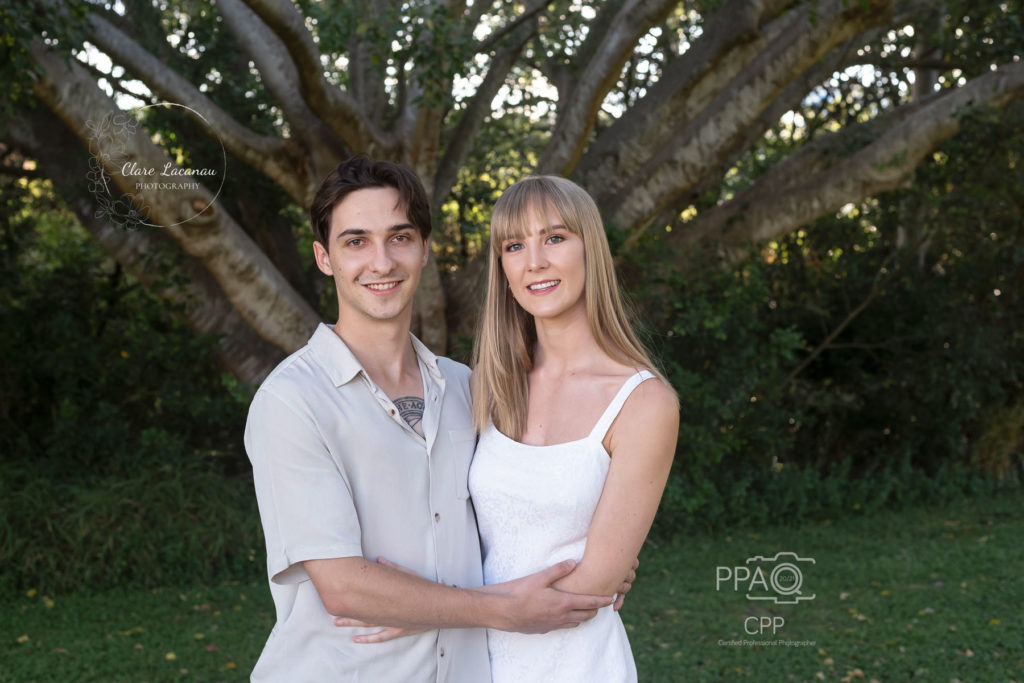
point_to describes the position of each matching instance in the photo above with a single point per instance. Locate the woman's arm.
(641, 441)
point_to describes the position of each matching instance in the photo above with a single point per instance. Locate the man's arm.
(373, 593)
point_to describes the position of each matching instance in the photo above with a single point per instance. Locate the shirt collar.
(342, 365)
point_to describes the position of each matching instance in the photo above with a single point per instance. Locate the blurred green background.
(861, 366)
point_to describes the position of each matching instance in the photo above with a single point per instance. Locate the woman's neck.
(565, 345)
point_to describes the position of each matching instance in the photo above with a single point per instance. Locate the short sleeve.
(305, 501)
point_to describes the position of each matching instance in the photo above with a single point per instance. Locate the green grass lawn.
(928, 593)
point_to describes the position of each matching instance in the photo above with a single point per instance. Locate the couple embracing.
(461, 527)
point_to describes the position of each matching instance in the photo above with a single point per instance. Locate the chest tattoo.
(411, 410)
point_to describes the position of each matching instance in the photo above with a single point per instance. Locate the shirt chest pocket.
(463, 445)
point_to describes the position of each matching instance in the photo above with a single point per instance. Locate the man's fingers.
(589, 602)
(619, 601)
(345, 621)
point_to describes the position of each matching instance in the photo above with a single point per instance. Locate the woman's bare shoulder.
(653, 396)
(650, 416)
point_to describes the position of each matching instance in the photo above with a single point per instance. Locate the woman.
(577, 427)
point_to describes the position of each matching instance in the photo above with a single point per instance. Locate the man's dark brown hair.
(359, 173)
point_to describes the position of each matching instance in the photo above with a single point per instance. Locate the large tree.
(651, 105)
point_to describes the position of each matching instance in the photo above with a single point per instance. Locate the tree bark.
(820, 178)
(608, 51)
(245, 274)
(148, 254)
(807, 34)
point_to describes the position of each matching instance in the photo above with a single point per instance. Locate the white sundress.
(534, 505)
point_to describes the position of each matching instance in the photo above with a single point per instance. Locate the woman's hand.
(385, 633)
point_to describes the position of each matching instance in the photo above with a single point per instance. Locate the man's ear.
(323, 261)
(426, 250)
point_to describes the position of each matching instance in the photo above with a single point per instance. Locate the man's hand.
(627, 585)
(535, 607)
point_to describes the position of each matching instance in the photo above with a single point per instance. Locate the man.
(360, 444)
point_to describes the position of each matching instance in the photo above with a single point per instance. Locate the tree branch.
(263, 153)
(321, 147)
(148, 254)
(810, 33)
(479, 107)
(732, 37)
(895, 64)
(818, 179)
(334, 106)
(788, 100)
(581, 105)
(249, 280)
(528, 15)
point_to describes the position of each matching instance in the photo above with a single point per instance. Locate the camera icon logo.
(779, 578)
(785, 579)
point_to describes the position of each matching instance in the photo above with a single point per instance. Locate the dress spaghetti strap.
(612, 411)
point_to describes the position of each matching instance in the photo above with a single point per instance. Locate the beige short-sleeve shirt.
(338, 473)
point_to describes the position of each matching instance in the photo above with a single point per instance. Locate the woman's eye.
(556, 239)
(514, 246)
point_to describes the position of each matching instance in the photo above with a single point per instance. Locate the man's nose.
(382, 262)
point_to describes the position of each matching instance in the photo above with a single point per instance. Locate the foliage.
(856, 364)
(163, 524)
(20, 22)
(120, 434)
(926, 591)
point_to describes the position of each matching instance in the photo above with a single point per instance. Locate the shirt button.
(437, 516)
(442, 652)
(392, 411)
(434, 397)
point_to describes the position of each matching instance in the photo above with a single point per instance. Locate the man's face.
(375, 256)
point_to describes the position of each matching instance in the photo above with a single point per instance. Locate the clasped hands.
(538, 607)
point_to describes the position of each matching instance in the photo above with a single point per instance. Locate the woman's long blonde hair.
(503, 354)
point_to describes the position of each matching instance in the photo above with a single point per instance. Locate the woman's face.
(546, 269)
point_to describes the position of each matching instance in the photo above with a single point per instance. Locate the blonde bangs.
(526, 200)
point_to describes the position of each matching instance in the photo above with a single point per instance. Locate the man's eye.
(354, 242)
(401, 237)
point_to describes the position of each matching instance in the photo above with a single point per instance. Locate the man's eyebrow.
(398, 227)
(351, 231)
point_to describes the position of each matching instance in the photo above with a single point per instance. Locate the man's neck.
(384, 349)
